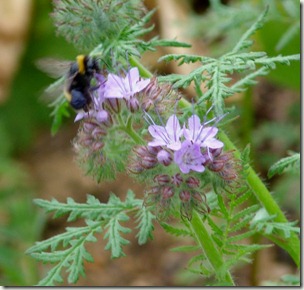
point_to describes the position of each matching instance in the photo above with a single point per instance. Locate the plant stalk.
(209, 248)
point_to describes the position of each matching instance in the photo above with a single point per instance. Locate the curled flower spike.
(160, 97)
(144, 158)
(226, 166)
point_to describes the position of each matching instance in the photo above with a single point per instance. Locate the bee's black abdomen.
(79, 100)
(79, 82)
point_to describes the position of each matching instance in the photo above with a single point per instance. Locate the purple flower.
(201, 135)
(167, 136)
(189, 157)
(124, 87)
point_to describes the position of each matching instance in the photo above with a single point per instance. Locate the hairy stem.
(209, 248)
(292, 245)
(127, 128)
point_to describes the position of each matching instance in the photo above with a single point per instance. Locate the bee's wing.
(53, 92)
(55, 68)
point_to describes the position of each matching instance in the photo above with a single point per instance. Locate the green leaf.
(284, 164)
(145, 225)
(113, 234)
(71, 257)
(178, 232)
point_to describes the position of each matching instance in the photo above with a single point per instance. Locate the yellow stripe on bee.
(80, 62)
(67, 95)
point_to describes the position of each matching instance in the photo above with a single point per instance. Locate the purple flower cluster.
(111, 90)
(191, 145)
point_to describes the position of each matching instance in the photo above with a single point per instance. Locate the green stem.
(292, 245)
(142, 69)
(209, 248)
(128, 128)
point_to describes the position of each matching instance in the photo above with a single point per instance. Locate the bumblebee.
(78, 87)
(77, 81)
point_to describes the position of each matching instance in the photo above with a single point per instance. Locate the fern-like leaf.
(113, 234)
(285, 164)
(216, 74)
(71, 258)
(263, 222)
(145, 225)
(178, 232)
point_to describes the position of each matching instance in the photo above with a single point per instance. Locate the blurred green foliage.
(24, 113)
(22, 117)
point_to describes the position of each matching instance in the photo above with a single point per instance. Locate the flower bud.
(216, 165)
(167, 192)
(141, 151)
(197, 197)
(154, 150)
(162, 179)
(102, 116)
(87, 141)
(216, 152)
(177, 179)
(133, 104)
(97, 146)
(135, 168)
(192, 182)
(114, 104)
(164, 157)
(89, 126)
(99, 132)
(147, 105)
(185, 196)
(148, 162)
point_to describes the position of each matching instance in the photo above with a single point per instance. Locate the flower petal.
(213, 143)
(141, 85)
(173, 129)
(132, 75)
(194, 123)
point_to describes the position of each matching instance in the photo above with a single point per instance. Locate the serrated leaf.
(178, 232)
(283, 164)
(113, 234)
(145, 225)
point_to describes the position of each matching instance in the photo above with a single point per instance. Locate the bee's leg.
(94, 88)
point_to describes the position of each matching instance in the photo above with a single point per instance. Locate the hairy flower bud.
(185, 196)
(113, 104)
(167, 192)
(157, 96)
(192, 182)
(177, 179)
(162, 179)
(148, 162)
(226, 167)
(164, 157)
(133, 104)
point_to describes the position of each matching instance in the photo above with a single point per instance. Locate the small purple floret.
(189, 157)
